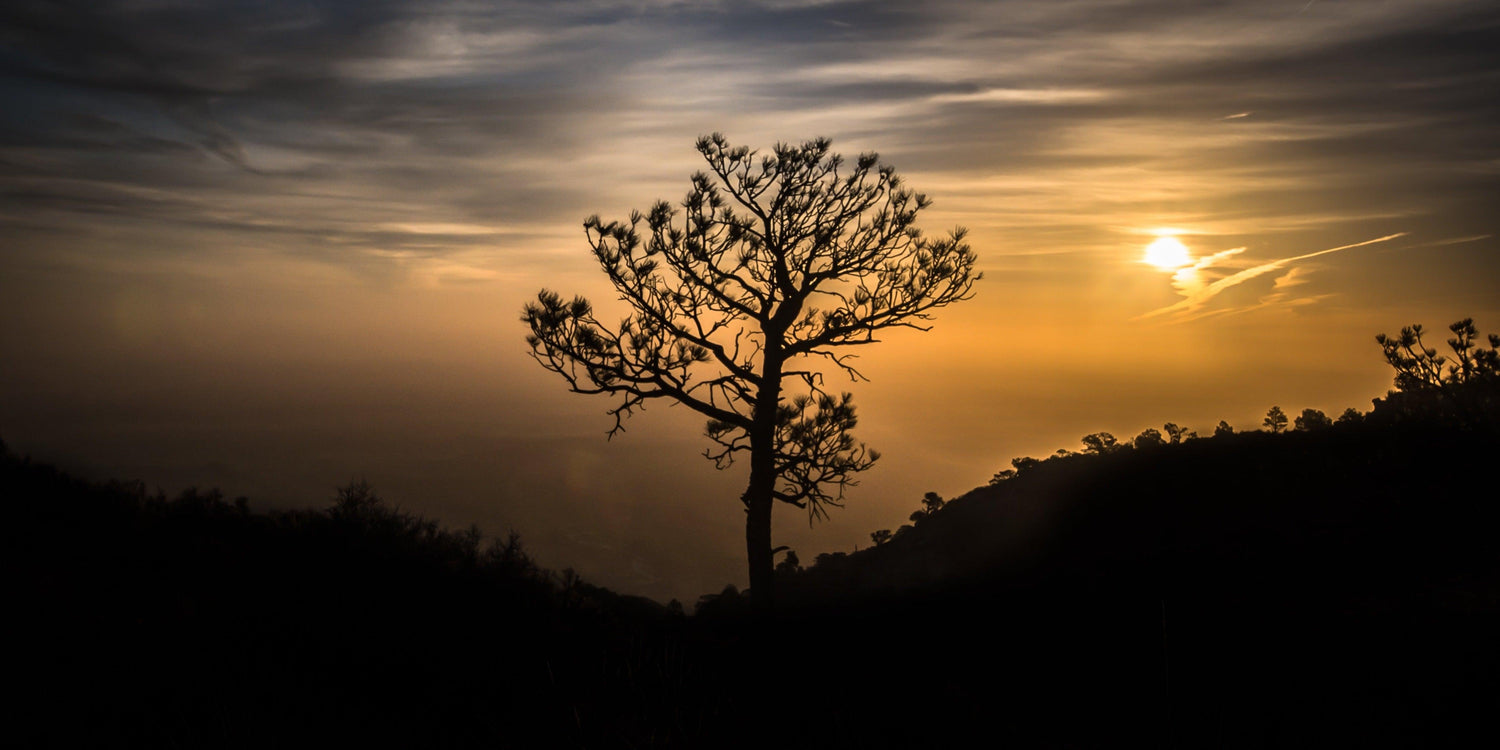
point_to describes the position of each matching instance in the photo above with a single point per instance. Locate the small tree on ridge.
(1275, 420)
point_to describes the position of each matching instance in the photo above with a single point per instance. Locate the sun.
(1168, 254)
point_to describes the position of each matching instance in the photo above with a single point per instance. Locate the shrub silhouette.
(932, 502)
(1312, 419)
(1149, 438)
(1100, 443)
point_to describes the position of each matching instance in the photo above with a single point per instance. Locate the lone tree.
(771, 265)
(1275, 420)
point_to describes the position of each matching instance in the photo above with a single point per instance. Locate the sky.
(275, 246)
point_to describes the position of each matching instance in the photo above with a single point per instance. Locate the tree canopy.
(1464, 383)
(1419, 367)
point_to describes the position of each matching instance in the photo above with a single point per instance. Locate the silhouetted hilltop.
(1376, 501)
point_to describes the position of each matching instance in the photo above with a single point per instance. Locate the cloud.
(1282, 292)
(1023, 96)
(531, 115)
(1199, 295)
(1190, 281)
(1455, 241)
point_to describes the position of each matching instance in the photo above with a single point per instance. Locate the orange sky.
(273, 247)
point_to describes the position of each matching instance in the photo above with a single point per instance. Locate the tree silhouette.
(1223, 428)
(1275, 420)
(1102, 442)
(932, 502)
(1467, 381)
(1419, 367)
(771, 265)
(1312, 419)
(789, 564)
(1022, 463)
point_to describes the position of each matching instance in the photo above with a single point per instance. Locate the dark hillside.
(1376, 505)
(1330, 588)
(1336, 587)
(142, 621)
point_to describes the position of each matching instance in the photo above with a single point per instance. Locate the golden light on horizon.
(1167, 254)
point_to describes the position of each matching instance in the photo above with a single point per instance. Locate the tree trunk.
(758, 503)
(759, 495)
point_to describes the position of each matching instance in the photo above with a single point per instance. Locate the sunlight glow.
(1167, 254)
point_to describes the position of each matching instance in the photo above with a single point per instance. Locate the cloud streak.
(1198, 296)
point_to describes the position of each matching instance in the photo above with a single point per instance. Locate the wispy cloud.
(1282, 293)
(1025, 96)
(1455, 241)
(1035, 123)
(1190, 281)
(1198, 296)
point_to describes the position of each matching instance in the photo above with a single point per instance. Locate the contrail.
(1201, 297)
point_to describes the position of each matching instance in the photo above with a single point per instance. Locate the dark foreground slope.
(139, 621)
(1330, 588)
(1337, 588)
